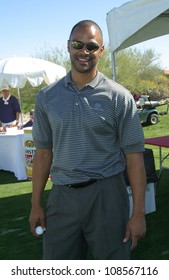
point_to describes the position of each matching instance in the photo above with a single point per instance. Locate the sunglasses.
(78, 45)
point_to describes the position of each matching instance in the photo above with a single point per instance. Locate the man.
(86, 130)
(9, 108)
(30, 122)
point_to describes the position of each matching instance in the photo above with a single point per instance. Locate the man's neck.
(82, 79)
(6, 96)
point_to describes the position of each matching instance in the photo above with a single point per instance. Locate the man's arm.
(17, 117)
(136, 227)
(40, 174)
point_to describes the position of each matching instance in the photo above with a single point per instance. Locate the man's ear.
(101, 50)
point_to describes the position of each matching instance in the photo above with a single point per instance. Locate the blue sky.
(29, 26)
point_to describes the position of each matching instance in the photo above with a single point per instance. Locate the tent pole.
(19, 97)
(113, 66)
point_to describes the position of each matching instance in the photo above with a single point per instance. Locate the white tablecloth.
(12, 156)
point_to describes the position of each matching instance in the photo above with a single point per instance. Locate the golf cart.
(147, 110)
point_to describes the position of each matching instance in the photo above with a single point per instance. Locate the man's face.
(5, 93)
(85, 48)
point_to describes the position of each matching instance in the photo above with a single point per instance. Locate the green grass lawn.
(17, 243)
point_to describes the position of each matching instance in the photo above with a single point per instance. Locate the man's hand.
(37, 218)
(136, 229)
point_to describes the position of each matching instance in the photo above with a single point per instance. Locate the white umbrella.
(16, 71)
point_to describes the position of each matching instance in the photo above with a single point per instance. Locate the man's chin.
(83, 69)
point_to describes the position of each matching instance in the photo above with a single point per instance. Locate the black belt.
(82, 184)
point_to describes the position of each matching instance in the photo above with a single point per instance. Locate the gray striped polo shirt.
(89, 130)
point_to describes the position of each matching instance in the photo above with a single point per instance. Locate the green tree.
(54, 55)
(105, 64)
(140, 71)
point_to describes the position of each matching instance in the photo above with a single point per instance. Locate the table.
(12, 155)
(162, 141)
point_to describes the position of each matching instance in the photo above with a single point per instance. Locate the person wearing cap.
(9, 108)
(30, 122)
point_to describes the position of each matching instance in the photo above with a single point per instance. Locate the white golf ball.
(39, 230)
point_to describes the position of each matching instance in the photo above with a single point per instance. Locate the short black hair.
(83, 23)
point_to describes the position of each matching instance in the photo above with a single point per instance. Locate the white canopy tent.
(135, 22)
(16, 71)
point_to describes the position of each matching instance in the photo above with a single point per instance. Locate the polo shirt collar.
(6, 99)
(93, 83)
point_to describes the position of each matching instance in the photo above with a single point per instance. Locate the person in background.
(30, 122)
(9, 108)
(86, 132)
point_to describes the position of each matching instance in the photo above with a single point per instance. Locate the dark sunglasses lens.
(77, 45)
(92, 47)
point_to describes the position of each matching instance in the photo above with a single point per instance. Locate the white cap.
(5, 87)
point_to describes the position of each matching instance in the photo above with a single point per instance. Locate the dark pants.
(93, 217)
